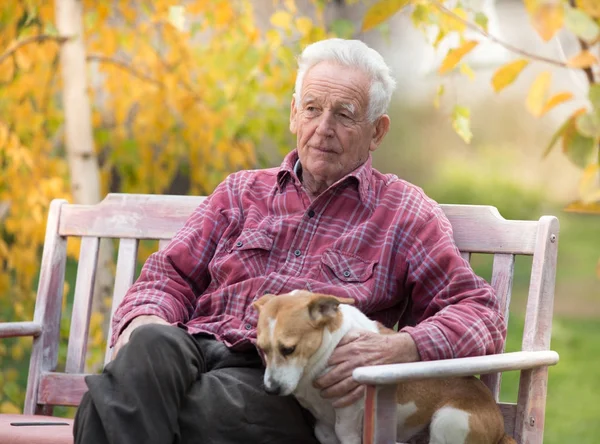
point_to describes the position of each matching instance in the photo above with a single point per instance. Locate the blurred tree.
(180, 95)
(580, 133)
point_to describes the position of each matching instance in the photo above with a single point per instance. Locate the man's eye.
(286, 351)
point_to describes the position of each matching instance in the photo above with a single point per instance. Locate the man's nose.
(325, 126)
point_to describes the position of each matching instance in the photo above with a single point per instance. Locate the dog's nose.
(273, 389)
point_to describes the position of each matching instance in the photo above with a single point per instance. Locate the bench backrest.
(131, 218)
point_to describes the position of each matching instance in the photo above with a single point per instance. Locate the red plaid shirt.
(371, 237)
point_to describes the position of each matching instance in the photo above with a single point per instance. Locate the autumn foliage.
(579, 136)
(181, 96)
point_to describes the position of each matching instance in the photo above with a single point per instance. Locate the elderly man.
(187, 369)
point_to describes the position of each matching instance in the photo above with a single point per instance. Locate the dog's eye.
(286, 351)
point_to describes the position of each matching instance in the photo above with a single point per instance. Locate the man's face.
(333, 133)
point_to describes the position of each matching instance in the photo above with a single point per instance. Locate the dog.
(297, 333)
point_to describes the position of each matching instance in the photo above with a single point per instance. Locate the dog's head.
(290, 330)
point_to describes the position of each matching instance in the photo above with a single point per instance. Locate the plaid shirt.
(371, 237)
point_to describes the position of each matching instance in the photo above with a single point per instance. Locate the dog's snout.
(273, 389)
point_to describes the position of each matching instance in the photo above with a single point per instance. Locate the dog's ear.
(262, 301)
(322, 308)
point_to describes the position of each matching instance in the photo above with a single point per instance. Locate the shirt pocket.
(243, 258)
(346, 268)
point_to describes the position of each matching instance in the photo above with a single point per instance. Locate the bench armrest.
(16, 329)
(445, 368)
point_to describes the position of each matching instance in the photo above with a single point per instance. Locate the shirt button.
(311, 213)
(239, 243)
(297, 252)
(347, 273)
(247, 326)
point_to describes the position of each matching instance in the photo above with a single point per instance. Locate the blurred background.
(170, 97)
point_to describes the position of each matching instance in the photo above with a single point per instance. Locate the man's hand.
(358, 349)
(135, 323)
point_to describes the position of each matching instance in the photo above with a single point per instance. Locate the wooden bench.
(131, 218)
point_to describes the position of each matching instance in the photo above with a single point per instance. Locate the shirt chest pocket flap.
(252, 240)
(347, 267)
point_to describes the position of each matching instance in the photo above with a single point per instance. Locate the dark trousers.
(166, 386)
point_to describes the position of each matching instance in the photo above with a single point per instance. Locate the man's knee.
(153, 336)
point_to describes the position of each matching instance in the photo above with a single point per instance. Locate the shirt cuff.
(432, 344)
(128, 317)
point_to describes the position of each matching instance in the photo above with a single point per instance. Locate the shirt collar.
(291, 166)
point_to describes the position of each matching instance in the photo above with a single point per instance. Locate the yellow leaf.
(589, 184)
(592, 7)
(536, 98)
(9, 407)
(547, 19)
(555, 101)
(507, 74)
(450, 22)
(381, 11)
(281, 19)
(584, 59)
(273, 37)
(438, 96)
(467, 71)
(291, 6)
(304, 25)
(455, 55)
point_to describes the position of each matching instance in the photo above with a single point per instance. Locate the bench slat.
(82, 304)
(141, 216)
(481, 229)
(502, 279)
(126, 267)
(61, 389)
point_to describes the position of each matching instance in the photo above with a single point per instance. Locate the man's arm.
(458, 315)
(457, 312)
(171, 279)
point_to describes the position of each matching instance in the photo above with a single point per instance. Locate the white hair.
(353, 54)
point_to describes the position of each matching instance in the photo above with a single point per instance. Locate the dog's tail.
(507, 440)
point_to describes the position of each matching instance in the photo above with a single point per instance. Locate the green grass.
(572, 408)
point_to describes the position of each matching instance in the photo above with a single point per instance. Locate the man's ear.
(293, 115)
(258, 304)
(382, 126)
(323, 308)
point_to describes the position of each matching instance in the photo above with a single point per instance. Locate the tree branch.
(33, 39)
(584, 47)
(495, 39)
(124, 66)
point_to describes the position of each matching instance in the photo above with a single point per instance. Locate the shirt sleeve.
(171, 279)
(457, 312)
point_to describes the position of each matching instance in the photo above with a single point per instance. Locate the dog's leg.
(348, 423)
(449, 426)
(325, 434)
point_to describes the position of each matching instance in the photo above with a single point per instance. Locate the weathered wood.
(509, 413)
(126, 267)
(82, 304)
(481, 229)
(44, 352)
(61, 389)
(19, 329)
(477, 365)
(466, 256)
(502, 279)
(380, 418)
(136, 216)
(536, 334)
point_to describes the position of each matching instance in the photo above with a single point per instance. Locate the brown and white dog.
(298, 331)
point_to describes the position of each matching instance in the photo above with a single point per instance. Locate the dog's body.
(299, 331)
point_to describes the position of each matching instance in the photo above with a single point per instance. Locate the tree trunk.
(81, 155)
